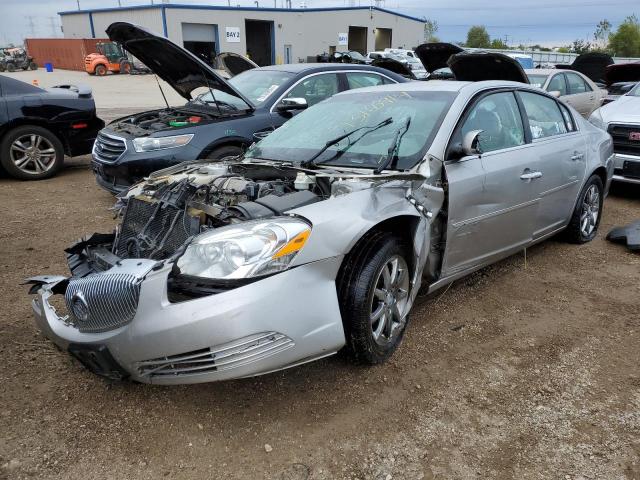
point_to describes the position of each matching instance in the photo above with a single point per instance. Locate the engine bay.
(158, 120)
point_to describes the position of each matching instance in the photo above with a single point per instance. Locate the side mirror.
(555, 93)
(287, 104)
(471, 143)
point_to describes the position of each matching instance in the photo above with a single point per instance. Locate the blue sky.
(546, 22)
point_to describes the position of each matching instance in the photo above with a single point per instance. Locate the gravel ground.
(527, 369)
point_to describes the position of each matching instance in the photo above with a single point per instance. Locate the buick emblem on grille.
(635, 136)
(80, 306)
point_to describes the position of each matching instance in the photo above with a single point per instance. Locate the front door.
(492, 202)
(561, 154)
(580, 95)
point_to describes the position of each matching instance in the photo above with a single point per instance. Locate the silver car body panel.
(294, 316)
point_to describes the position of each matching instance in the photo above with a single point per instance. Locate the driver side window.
(498, 116)
(315, 88)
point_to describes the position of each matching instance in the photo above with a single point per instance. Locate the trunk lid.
(435, 55)
(479, 66)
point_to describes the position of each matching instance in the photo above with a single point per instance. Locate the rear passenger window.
(577, 84)
(364, 79)
(557, 84)
(545, 119)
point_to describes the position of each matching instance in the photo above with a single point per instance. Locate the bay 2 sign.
(233, 34)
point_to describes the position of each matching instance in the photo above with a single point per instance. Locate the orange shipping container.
(64, 53)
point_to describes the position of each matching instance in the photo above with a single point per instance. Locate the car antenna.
(162, 92)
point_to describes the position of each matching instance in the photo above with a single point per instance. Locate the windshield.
(537, 80)
(305, 134)
(256, 85)
(636, 91)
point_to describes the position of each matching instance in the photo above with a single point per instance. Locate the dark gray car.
(221, 118)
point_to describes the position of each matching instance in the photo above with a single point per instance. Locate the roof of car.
(440, 86)
(541, 71)
(304, 67)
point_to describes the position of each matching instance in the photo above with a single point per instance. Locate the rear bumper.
(80, 141)
(280, 321)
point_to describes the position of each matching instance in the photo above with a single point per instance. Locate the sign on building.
(343, 39)
(233, 34)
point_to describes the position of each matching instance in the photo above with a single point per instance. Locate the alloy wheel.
(33, 154)
(389, 301)
(590, 211)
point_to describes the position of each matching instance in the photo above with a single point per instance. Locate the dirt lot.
(525, 370)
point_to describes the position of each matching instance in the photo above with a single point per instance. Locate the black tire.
(52, 167)
(33, 66)
(2, 67)
(357, 285)
(576, 231)
(11, 67)
(125, 67)
(100, 70)
(226, 152)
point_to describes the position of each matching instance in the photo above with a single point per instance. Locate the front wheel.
(125, 67)
(100, 70)
(33, 66)
(374, 297)
(586, 216)
(225, 153)
(11, 67)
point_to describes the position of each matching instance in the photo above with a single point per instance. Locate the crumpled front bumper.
(274, 323)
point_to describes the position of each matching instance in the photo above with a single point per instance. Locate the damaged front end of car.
(213, 272)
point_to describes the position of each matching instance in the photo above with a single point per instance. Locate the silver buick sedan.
(319, 237)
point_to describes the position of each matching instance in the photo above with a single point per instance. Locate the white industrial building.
(267, 35)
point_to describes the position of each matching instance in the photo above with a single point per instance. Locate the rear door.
(561, 159)
(492, 207)
(580, 95)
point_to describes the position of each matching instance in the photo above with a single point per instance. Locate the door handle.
(529, 175)
(577, 156)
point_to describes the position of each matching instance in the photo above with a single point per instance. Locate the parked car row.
(318, 237)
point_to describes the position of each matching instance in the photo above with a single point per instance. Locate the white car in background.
(410, 61)
(572, 87)
(622, 120)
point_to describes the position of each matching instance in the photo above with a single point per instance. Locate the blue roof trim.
(245, 9)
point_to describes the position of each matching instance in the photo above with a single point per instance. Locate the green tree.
(625, 42)
(580, 46)
(564, 50)
(602, 34)
(430, 29)
(499, 44)
(478, 37)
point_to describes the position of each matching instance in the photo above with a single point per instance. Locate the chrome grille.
(222, 357)
(102, 301)
(622, 142)
(108, 149)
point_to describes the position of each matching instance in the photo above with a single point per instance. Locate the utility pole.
(78, 4)
(32, 26)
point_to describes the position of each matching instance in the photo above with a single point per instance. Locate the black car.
(39, 126)
(221, 118)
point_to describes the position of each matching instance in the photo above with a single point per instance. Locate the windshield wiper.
(392, 153)
(311, 162)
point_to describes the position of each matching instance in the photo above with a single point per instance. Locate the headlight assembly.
(148, 144)
(246, 250)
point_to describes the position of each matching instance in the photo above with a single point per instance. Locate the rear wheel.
(2, 67)
(586, 216)
(374, 297)
(225, 153)
(31, 153)
(33, 66)
(125, 67)
(101, 70)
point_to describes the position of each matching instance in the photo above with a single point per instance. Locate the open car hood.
(394, 66)
(435, 55)
(591, 64)
(232, 63)
(178, 67)
(622, 72)
(479, 66)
